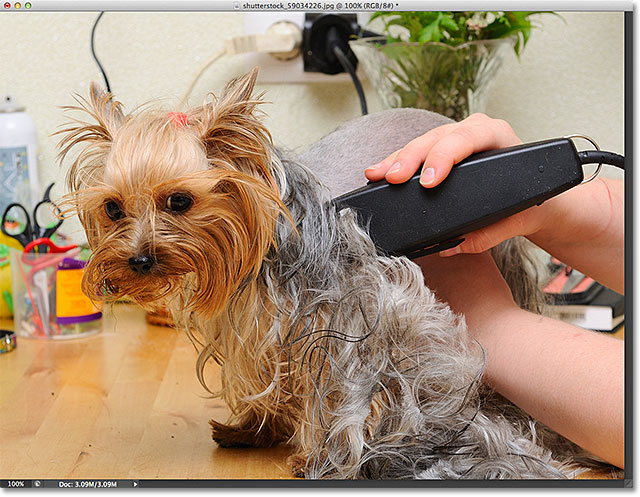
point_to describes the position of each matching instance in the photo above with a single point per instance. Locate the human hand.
(443, 147)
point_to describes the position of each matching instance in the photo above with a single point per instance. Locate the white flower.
(480, 20)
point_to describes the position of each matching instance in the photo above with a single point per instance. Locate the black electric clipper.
(409, 219)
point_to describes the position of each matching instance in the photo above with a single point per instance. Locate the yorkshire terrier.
(324, 344)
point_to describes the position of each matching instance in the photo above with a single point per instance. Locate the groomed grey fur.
(339, 160)
(390, 381)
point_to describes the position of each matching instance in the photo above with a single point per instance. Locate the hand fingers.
(469, 137)
(403, 163)
(412, 156)
(441, 148)
(486, 238)
(378, 171)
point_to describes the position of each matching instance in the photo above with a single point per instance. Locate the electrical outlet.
(273, 70)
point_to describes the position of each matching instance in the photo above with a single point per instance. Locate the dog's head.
(163, 196)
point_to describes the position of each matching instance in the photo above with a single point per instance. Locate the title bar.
(293, 5)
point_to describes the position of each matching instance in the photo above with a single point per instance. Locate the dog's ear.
(230, 129)
(240, 89)
(106, 110)
(97, 136)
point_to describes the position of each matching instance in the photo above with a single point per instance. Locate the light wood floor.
(122, 404)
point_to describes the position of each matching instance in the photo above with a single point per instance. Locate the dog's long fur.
(323, 343)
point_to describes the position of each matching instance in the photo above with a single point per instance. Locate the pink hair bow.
(179, 118)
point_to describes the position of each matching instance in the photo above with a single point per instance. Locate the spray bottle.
(18, 178)
(18, 149)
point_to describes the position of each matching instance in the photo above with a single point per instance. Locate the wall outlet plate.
(273, 70)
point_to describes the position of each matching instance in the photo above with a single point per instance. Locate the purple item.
(80, 319)
(71, 263)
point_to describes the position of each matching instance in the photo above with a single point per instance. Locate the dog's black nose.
(141, 264)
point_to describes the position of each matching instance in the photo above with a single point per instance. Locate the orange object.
(179, 119)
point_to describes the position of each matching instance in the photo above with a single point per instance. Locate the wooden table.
(122, 404)
(125, 404)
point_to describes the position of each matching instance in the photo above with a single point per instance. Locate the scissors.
(44, 261)
(31, 230)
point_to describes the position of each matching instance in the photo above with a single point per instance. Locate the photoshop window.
(316, 244)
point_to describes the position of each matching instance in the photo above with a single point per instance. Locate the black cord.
(600, 156)
(370, 34)
(93, 52)
(348, 67)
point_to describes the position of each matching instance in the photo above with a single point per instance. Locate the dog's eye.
(113, 210)
(179, 202)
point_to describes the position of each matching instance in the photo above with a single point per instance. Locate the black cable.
(370, 34)
(93, 52)
(600, 156)
(348, 67)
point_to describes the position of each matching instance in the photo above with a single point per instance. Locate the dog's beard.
(109, 277)
(202, 256)
(199, 274)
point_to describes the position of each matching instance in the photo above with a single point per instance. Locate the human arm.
(568, 378)
(583, 227)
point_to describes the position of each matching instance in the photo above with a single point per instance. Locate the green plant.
(450, 58)
(456, 28)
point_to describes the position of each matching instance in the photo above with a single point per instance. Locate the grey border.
(320, 484)
(627, 482)
(628, 258)
(330, 5)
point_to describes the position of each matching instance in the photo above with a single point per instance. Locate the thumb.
(486, 238)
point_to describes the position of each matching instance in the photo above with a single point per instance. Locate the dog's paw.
(297, 463)
(229, 436)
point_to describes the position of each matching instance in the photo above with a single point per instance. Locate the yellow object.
(6, 311)
(10, 242)
(70, 301)
(5, 286)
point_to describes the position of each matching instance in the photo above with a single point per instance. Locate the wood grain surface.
(123, 404)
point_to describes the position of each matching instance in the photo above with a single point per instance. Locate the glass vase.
(452, 81)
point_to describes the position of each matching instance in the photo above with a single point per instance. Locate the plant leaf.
(448, 22)
(452, 28)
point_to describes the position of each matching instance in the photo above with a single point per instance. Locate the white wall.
(569, 79)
